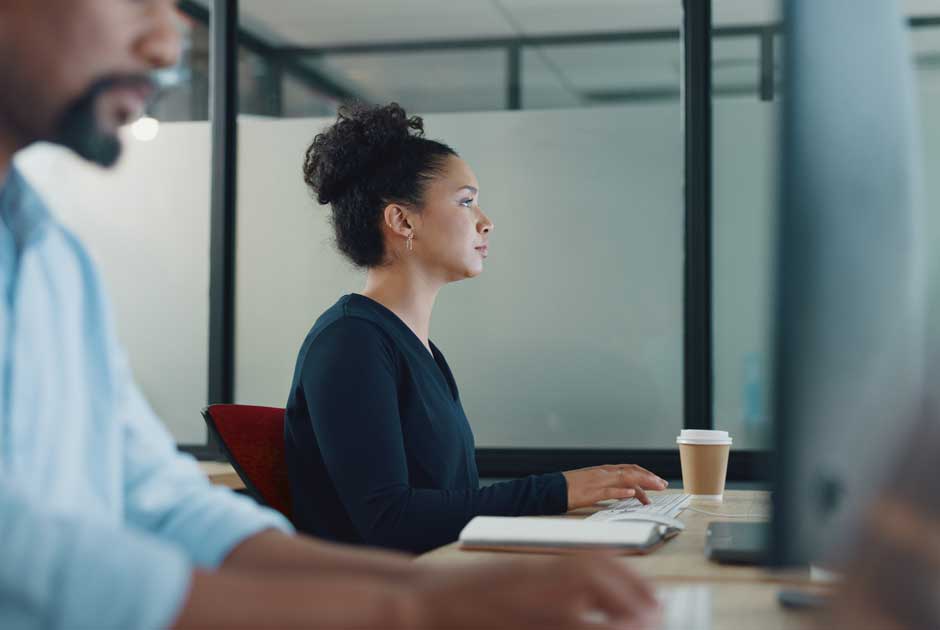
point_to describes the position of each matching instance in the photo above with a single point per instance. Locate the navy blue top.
(378, 447)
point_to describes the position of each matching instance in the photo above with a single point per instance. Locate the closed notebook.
(561, 535)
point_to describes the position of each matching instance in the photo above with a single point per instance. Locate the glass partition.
(146, 224)
(925, 41)
(746, 82)
(572, 336)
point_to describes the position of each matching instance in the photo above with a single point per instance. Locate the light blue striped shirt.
(101, 519)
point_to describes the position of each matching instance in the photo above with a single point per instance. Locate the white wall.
(146, 223)
(572, 336)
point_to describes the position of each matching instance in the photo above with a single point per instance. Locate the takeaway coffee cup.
(704, 458)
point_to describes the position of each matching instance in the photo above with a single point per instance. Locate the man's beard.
(78, 128)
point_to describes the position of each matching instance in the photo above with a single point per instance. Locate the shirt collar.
(24, 213)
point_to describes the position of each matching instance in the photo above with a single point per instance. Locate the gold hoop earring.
(410, 244)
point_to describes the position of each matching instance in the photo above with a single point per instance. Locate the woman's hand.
(587, 486)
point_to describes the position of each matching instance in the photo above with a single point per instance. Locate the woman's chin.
(467, 273)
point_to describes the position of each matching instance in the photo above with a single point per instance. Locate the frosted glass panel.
(745, 161)
(745, 157)
(146, 224)
(926, 45)
(572, 336)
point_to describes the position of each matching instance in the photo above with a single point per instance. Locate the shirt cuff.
(129, 580)
(554, 493)
(240, 519)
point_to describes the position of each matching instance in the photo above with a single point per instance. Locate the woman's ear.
(400, 220)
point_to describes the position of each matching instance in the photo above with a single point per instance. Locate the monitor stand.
(814, 596)
(747, 544)
(802, 599)
(737, 542)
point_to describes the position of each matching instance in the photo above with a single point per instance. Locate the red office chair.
(252, 438)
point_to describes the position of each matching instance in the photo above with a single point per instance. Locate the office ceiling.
(553, 76)
(329, 22)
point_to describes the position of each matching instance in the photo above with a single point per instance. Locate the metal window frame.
(697, 286)
(288, 60)
(225, 37)
(746, 465)
(696, 38)
(223, 118)
(223, 107)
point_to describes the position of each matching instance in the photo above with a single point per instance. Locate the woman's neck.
(405, 293)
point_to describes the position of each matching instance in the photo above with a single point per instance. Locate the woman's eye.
(466, 202)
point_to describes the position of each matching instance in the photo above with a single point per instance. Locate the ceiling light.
(145, 129)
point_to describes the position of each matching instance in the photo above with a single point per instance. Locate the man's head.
(74, 71)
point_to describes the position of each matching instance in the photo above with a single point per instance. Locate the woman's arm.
(350, 383)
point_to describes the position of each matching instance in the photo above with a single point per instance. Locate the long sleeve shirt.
(102, 520)
(379, 449)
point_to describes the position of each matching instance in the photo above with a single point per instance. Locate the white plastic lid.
(703, 436)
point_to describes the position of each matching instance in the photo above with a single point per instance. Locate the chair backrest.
(253, 440)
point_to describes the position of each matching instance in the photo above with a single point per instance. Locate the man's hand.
(588, 591)
(587, 486)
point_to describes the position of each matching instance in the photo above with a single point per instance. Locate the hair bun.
(362, 137)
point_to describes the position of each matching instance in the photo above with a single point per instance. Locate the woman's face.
(451, 232)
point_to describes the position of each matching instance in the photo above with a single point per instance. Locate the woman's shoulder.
(350, 329)
(343, 348)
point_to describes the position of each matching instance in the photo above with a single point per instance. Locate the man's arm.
(271, 551)
(79, 571)
(67, 572)
(167, 495)
(588, 592)
(226, 599)
(64, 572)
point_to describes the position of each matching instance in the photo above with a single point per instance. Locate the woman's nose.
(486, 226)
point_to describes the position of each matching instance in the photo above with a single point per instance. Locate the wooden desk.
(223, 474)
(742, 597)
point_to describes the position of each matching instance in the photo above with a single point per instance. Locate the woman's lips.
(483, 249)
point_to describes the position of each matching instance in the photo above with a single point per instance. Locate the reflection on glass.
(615, 73)
(187, 96)
(433, 81)
(572, 338)
(925, 42)
(746, 99)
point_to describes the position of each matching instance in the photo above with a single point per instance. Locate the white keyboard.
(686, 607)
(683, 608)
(667, 504)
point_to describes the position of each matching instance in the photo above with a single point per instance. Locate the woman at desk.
(378, 447)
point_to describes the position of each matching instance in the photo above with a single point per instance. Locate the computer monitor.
(849, 340)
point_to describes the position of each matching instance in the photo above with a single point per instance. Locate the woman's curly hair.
(370, 157)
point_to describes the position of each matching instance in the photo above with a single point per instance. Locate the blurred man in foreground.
(102, 523)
